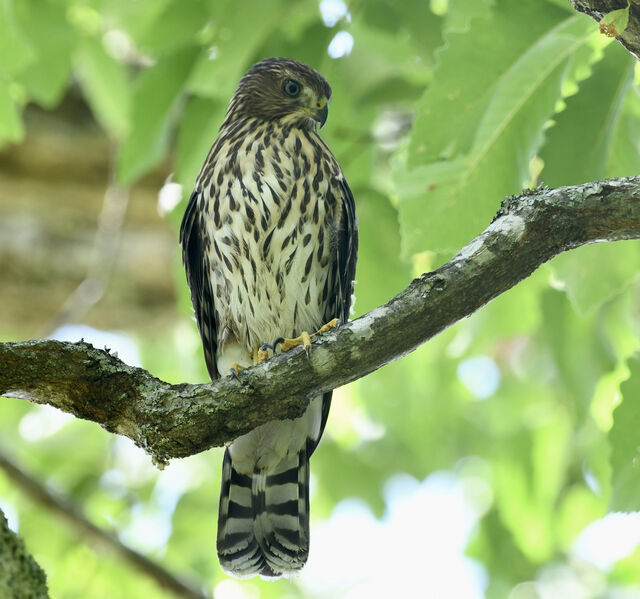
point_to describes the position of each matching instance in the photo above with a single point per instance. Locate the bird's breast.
(271, 219)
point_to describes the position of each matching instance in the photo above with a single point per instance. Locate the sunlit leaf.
(199, 126)
(624, 152)
(218, 70)
(461, 13)
(380, 244)
(15, 50)
(475, 61)
(175, 27)
(499, 125)
(577, 147)
(106, 85)
(52, 38)
(412, 19)
(624, 438)
(594, 273)
(155, 96)
(492, 84)
(11, 128)
(615, 22)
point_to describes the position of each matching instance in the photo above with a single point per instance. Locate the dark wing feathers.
(347, 253)
(196, 265)
(346, 258)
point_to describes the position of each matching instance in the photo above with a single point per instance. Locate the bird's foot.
(332, 324)
(260, 354)
(235, 369)
(304, 338)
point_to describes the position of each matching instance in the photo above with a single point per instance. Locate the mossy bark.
(20, 576)
(180, 420)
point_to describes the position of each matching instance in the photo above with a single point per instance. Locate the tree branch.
(596, 9)
(20, 576)
(74, 516)
(180, 420)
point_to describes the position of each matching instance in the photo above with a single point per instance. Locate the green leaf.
(106, 85)
(510, 102)
(460, 14)
(15, 50)
(624, 152)
(53, 39)
(393, 56)
(135, 18)
(515, 313)
(199, 126)
(405, 19)
(624, 438)
(157, 92)
(11, 128)
(615, 22)
(580, 355)
(380, 244)
(592, 274)
(471, 65)
(578, 149)
(175, 27)
(578, 146)
(561, 4)
(236, 36)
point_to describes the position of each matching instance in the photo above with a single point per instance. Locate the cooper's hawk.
(269, 242)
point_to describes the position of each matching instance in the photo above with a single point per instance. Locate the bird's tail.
(263, 520)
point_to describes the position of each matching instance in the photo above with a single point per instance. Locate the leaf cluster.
(435, 118)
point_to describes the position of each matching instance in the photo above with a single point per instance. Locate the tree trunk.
(20, 576)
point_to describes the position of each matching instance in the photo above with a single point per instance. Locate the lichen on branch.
(171, 421)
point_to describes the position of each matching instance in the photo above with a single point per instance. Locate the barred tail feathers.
(263, 520)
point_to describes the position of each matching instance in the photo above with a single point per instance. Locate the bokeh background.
(498, 460)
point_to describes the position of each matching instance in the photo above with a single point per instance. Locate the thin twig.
(74, 516)
(103, 258)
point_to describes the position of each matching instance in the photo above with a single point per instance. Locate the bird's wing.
(194, 257)
(347, 254)
(345, 270)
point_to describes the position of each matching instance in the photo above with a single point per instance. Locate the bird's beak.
(320, 113)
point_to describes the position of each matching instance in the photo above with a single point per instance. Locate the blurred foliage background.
(482, 465)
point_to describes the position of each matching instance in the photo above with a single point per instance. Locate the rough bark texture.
(179, 420)
(20, 576)
(630, 37)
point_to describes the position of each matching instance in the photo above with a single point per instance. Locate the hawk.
(269, 243)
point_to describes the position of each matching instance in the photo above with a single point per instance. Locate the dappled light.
(499, 459)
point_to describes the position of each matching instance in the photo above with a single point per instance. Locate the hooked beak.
(320, 113)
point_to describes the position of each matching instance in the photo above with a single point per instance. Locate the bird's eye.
(291, 87)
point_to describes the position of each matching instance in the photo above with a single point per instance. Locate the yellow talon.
(235, 368)
(260, 354)
(332, 324)
(304, 338)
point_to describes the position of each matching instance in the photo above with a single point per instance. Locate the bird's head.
(281, 89)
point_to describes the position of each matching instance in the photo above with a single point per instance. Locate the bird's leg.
(304, 338)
